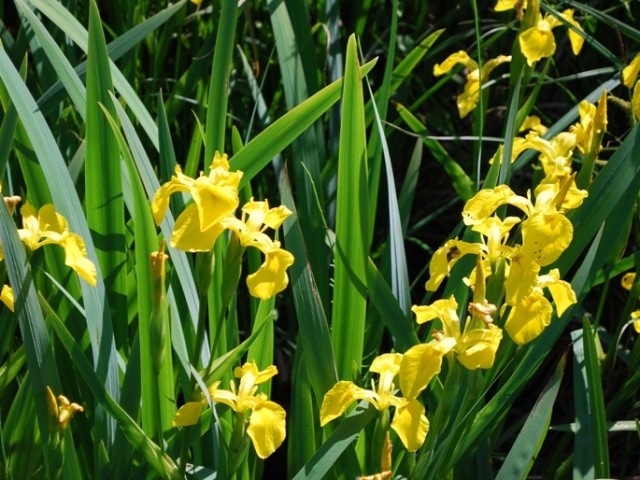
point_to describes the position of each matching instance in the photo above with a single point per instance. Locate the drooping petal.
(469, 97)
(188, 414)
(545, 236)
(446, 257)
(521, 279)
(271, 278)
(478, 347)
(528, 319)
(75, 256)
(575, 38)
(537, 42)
(336, 401)
(418, 367)
(635, 316)
(267, 428)
(627, 280)
(561, 291)
(453, 60)
(188, 234)
(411, 424)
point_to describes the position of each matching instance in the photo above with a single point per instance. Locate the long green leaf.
(529, 441)
(103, 177)
(352, 229)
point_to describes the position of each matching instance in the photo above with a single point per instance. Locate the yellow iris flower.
(267, 420)
(46, 226)
(629, 78)
(468, 99)
(215, 196)
(627, 283)
(6, 297)
(271, 277)
(61, 411)
(539, 42)
(475, 347)
(415, 370)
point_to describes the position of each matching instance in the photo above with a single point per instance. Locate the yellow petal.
(537, 42)
(6, 297)
(561, 291)
(521, 279)
(188, 414)
(533, 122)
(214, 201)
(635, 316)
(478, 347)
(445, 258)
(453, 60)
(469, 97)
(445, 309)
(486, 201)
(546, 236)
(575, 38)
(271, 278)
(188, 234)
(411, 425)
(267, 428)
(630, 72)
(418, 367)
(528, 319)
(336, 401)
(160, 203)
(635, 100)
(491, 64)
(75, 256)
(627, 280)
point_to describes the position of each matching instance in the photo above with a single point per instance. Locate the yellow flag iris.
(271, 278)
(468, 99)
(409, 420)
(46, 226)
(215, 196)
(267, 420)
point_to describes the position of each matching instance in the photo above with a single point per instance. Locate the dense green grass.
(331, 109)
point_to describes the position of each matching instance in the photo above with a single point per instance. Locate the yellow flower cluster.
(215, 199)
(61, 411)
(266, 421)
(44, 227)
(537, 41)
